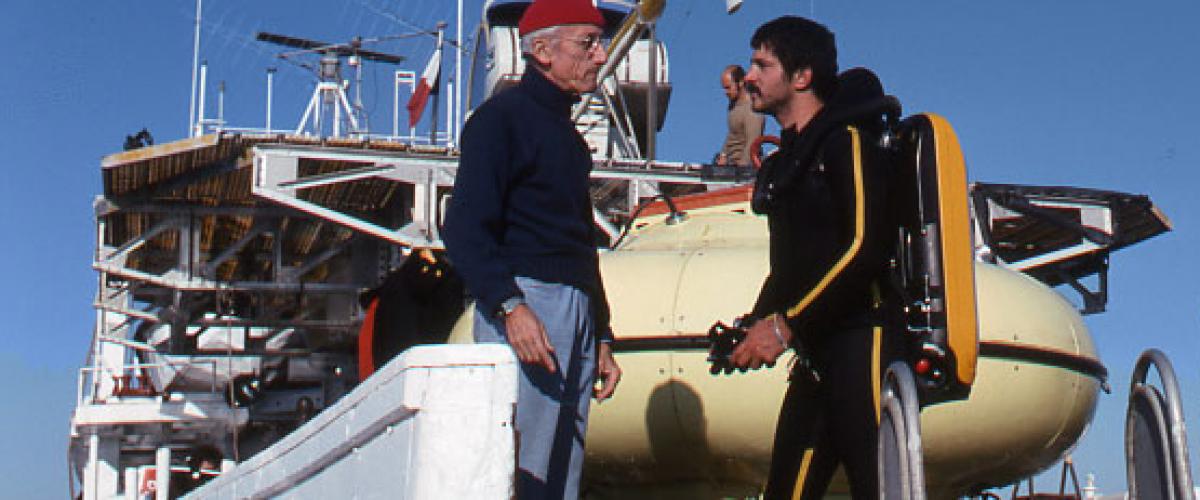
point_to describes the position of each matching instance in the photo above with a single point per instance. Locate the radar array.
(329, 96)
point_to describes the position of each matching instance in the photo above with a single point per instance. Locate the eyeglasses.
(588, 43)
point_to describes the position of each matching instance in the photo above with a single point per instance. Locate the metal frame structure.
(901, 465)
(267, 239)
(327, 92)
(179, 231)
(1156, 448)
(1061, 235)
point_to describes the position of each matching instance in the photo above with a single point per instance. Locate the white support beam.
(196, 408)
(131, 483)
(277, 179)
(162, 473)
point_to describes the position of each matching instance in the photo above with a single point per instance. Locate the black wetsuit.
(825, 194)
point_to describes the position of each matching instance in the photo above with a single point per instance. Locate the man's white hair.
(527, 40)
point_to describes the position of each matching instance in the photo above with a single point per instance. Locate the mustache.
(750, 87)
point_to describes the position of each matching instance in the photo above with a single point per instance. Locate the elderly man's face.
(572, 56)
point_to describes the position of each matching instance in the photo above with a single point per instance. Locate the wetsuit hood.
(859, 101)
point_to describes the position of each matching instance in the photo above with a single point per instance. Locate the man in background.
(744, 124)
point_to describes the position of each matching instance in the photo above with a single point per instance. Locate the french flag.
(427, 84)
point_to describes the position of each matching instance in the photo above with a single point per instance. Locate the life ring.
(756, 148)
(366, 342)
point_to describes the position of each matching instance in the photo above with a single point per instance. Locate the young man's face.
(770, 88)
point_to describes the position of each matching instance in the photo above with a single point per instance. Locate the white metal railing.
(414, 139)
(88, 380)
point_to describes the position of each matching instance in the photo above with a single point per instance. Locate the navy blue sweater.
(521, 204)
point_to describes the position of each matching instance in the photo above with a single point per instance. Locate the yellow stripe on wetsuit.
(860, 229)
(802, 476)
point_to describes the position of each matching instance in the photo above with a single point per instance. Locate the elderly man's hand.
(607, 372)
(527, 336)
(761, 345)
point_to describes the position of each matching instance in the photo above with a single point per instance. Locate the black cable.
(675, 214)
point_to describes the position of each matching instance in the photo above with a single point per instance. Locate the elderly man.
(744, 124)
(519, 230)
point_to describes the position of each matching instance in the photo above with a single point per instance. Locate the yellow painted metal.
(1019, 417)
(651, 9)
(647, 12)
(675, 431)
(957, 254)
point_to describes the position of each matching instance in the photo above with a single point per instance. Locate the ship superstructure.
(255, 286)
(236, 266)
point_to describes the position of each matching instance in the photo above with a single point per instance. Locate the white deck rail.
(436, 422)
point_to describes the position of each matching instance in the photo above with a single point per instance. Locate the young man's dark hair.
(802, 43)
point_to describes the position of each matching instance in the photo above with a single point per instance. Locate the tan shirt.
(744, 127)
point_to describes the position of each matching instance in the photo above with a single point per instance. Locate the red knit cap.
(547, 13)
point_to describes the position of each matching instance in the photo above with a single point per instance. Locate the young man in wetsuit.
(824, 193)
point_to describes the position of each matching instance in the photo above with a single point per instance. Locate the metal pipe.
(395, 104)
(134, 313)
(139, 346)
(195, 64)
(651, 92)
(221, 105)
(359, 114)
(200, 285)
(1177, 431)
(92, 469)
(270, 91)
(451, 88)
(436, 91)
(131, 486)
(458, 74)
(645, 13)
(162, 473)
(337, 114)
(605, 225)
(199, 124)
(623, 123)
(899, 384)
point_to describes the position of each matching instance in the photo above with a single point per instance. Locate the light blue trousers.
(552, 409)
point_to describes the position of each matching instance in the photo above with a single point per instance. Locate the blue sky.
(1071, 92)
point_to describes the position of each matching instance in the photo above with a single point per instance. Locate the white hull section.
(436, 422)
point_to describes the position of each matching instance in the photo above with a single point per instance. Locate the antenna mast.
(458, 82)
(329, 96)
(195, 68)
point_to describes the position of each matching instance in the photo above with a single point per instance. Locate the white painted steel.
(436, 422)
(131, 483)
(456, 121)
(89, 471)
(162, 473)
(195, 66)
(193, 409)
(270, 91)
(197, 126)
